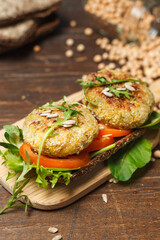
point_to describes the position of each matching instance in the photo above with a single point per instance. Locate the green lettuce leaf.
(153, 121)
(135, 155)
(48, 176)
(13, 135)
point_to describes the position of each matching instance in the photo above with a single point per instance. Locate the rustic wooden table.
(133, 209)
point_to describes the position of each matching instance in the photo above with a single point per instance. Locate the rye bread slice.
(17, 34)
(15, 10)
(104, 156)
(40, 29)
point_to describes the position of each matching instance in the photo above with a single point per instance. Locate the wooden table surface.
(133, 208)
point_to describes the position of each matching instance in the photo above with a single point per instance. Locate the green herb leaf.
(13, 135)
(95, 104)
(117, 92)
(103, 150)
(17, 190)
(9, 146)
(135, 155)
(13, 160)
(153, 121)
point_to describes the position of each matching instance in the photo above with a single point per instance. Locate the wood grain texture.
(132, 211)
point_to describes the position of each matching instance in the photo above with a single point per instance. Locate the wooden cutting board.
(61, 195)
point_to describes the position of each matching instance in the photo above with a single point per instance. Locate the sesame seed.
(52, 229)
(108, 94)
(101, 127)
(58, 237)
(69, 122)
(128, 85)
(47, 111)
(104, 197)
(121, 89)
(67, 125)
(52, 115)
(105, 89)
(107, 135)
(114, 180)
(44, 114)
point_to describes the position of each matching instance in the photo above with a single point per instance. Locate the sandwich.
(62, 141)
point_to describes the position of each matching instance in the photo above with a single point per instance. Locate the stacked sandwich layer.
(23, 21)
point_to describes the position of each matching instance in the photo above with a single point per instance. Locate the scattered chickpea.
(105, 55)
(70, 42)
(88, 31)
(112, 65)
(69, 53)
(97, 58)
(23, 97)
(84, 77)
(122, 61)
(157, 154)
(73, 23)
(101, 66)
(98, 41)
(36, 48)
(80, 47)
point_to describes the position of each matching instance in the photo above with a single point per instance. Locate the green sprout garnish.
(117, 92)
(103, 82)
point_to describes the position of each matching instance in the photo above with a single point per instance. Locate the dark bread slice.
(41, 28)
(17, 10)
(104, 156)
(17, 34)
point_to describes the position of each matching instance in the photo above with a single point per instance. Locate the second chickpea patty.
(119, 112)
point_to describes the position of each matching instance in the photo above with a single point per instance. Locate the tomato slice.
(70, 162)
(99, 143)
(115, 132)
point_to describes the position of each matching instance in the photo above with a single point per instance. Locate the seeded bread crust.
(104, 156)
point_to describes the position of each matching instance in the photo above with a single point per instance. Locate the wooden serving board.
(61, 195)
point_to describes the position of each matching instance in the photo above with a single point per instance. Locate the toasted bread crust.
(104, 156)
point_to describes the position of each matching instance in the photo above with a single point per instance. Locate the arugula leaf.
(103, 82)
(135, 155)
(26, 168)
(17, 190)
(117, 92)
(153, 121)
(103, 150)
(95, 104)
